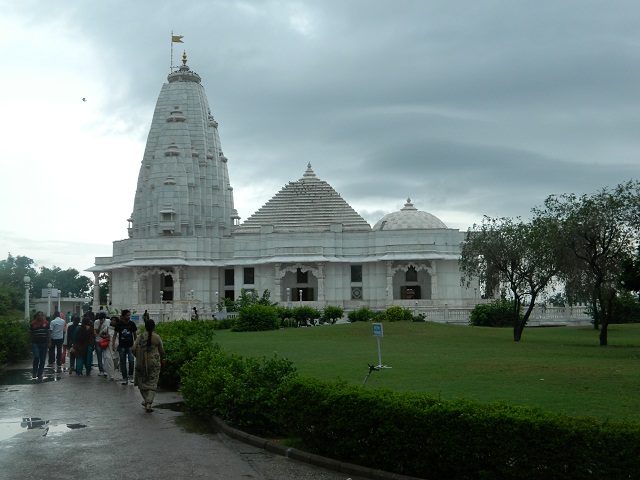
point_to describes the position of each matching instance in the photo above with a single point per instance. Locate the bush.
(626, 309)
(332, 314)
(182, 340)
(241, 391)
(257, 318)
(398, 314)
(363, 314)
(224, 323)
(15, 342)
(306, 316)
(495, 314)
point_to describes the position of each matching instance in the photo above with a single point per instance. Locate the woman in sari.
(149, 352)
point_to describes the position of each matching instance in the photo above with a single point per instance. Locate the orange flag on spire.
(177, 38)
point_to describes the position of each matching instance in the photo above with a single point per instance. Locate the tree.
(505, 254)
(12, 273)
(67, 281)
(601, 233)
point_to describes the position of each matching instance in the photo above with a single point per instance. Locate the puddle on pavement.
(12, 427)
(23, 376)
(189, 422)
(193, 424)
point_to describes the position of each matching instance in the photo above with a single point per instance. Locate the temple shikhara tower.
(306, 245)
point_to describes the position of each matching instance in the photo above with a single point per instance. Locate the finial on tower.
(184, 57)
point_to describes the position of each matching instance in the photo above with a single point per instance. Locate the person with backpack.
(126, 333)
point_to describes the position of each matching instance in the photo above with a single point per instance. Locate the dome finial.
(309, 172)
(184, 57)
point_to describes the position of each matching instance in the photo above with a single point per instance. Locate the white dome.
(409, 218)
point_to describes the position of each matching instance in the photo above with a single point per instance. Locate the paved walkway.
(88, 427)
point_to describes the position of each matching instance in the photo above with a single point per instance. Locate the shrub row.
(425, 437)
(391, 314)
(408, 434)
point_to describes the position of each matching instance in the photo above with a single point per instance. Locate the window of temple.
(166, 285)
(411, 275)
(229, 278)
(249, 276)
(302, 277)
(230, 294)
(356, 273)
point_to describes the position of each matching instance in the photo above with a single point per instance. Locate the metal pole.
(49, 286)
(27, 281)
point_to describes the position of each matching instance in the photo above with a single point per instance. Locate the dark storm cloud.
(476, 107)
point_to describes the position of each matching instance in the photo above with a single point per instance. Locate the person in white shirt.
(100, 325)
(57, 326)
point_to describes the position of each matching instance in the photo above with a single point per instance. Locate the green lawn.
(560, 370)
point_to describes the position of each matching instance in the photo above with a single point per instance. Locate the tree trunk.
(596, 314)
(606, 310)
(603, 333)
(518, 328)
(518, 323)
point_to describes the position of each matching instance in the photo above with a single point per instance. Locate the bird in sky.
(84, 99)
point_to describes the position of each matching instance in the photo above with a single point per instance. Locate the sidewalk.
(84, 427)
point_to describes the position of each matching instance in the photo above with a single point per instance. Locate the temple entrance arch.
(304, 282)
(412, 280)
(152, 281)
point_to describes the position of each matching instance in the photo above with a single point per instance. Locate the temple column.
(135, 287)
(96, 291)
(389, 287)
(277, 290)
(320, 282)
(434, 282)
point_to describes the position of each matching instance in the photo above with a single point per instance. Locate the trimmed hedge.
(239, 390)
(422, 436)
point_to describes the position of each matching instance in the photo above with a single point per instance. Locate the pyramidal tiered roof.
(309, 204)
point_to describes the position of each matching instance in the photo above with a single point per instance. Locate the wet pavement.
(83, 427)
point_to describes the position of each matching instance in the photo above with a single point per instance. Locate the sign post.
(378, 332)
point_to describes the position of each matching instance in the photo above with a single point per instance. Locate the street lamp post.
(161, 306)
(49, 287)
(59, 295)
(27, 281)
(108, 296)
(300, 296)
(190, 300)
(288, 297)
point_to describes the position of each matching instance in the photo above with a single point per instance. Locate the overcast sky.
(470, 108)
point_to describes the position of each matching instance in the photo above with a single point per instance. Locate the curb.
(306, 457)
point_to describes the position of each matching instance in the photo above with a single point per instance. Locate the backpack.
(126, 338)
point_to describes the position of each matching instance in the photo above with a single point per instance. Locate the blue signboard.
(377, 330)
(135, 318)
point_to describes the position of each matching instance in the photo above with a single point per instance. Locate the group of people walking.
(113, 339)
